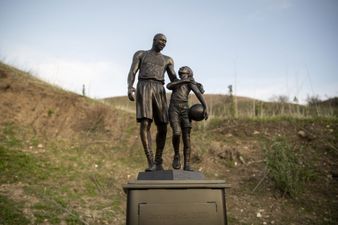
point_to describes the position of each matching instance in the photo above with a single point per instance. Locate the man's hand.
(205, 113)
(131, 93)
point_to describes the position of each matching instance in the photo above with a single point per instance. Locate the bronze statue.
(151, 102)
(180, 121)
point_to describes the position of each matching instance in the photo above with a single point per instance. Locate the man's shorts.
(151, 101)
(179, 117)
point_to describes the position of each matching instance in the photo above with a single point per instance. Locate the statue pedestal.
(175, 201)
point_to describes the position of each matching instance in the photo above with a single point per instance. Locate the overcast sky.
(262, 47)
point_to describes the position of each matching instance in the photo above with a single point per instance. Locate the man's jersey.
(153, 66)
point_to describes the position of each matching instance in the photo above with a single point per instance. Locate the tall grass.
(286, 167)
(230, 107)
(227, 106)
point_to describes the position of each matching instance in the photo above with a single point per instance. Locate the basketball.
(196, 112)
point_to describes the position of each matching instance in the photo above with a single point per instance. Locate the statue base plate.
(170, 175)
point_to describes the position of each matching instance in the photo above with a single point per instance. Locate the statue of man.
(151, 101)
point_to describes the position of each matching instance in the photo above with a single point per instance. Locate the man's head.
(159, 42)
(185, 72)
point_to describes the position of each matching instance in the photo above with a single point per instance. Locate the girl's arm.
(174, 84)
(200, 97)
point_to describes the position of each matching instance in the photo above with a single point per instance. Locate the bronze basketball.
(196, 112)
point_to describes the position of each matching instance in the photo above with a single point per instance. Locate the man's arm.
(170, 69)
(132, 73)
(200, 97)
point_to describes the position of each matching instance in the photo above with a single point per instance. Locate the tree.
(313, 100)
(282, 99)
(233, 103)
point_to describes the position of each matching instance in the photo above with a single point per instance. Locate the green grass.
(8, 136)
(54, 209)
(286, 168)
(17, 166)
(11, 212)
(40, 174)
(58, 177)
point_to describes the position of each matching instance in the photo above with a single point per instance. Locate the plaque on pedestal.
(170, 175)
(175, 201)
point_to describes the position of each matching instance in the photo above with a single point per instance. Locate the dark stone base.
(170, 175)
(179, 202)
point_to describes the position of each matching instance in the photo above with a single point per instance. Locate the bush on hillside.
(286, 167)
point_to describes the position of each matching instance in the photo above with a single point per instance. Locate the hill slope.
(64, 158)
(47, 109)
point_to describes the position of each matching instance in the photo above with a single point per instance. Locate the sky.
(264, 48)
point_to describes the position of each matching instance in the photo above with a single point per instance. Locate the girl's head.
(185, 72)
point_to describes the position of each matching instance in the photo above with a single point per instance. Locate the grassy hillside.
(62, 156)
(64, 159)
(244, 107)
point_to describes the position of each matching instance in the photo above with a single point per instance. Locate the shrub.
(286, 167)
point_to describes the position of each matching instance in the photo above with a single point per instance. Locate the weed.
(46, 212)
(8, 136)
(286, 168)
(34, 141)
(50, 112)
(11, 212)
